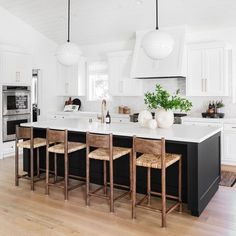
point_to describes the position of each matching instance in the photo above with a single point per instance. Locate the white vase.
(164, 118)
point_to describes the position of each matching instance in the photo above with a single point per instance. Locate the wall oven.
(10, 123)
(16, 109)
(16, 100)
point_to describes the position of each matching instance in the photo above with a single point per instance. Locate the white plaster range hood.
(144, 67)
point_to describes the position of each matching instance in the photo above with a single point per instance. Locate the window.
(98, 80)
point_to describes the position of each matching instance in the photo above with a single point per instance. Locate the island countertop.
(181, 133)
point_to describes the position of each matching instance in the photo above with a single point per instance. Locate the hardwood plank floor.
(24, 213)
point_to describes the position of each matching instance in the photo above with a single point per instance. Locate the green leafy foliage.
(160, 98)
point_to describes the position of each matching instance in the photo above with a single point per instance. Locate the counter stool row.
(151, 154)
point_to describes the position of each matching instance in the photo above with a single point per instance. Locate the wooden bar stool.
(107, 153)
(154, 156)
(25, 139)
(61, 146)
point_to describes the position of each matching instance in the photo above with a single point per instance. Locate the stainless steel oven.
(16, 100)
(10, 123)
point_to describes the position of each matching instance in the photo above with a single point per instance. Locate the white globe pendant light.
(157, 44)
(68, 54)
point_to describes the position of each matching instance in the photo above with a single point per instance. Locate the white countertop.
(181, 133)
(226, 119)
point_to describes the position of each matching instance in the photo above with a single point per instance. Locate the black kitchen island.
(199, 147)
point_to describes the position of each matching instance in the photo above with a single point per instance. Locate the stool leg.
(131, 173)
(32, 168)
(38, 167)
(149, 185)
(47, 173)
(180, 185)
(66, 177)
(111, 187)
(134, 187)
(55, 167)
(16, 165)
(105, 177)
(163, 195)
(87, 180)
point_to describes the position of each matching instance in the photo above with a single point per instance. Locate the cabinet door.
(72, 79)
(120, 81)
(16, 68)
(214, 78)
(229, 148)
(195, 72)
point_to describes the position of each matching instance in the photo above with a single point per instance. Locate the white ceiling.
(96, 21)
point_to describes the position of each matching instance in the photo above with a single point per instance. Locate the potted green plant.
(219, 106)
(164, 104)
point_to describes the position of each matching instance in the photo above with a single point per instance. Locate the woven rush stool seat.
(25, 139)
(37, 142)
(154, 156)
(72, 147)
(154, 161)
(104, 155)
(61, 146)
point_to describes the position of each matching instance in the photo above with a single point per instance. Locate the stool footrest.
(173, 207)
(25, 176)
(122, 195)
(142, 200)
(77, 177)
(99, 195)
(96, 190)
(94, 193)
(167, 196)
(147, 207)
(120, 185)
(75, 186)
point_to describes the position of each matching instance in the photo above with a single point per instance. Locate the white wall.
(15, 32)
(95, 52)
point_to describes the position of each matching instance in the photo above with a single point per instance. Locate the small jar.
(126, 110)
(121, 110)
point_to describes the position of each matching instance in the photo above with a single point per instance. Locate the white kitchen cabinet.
(207, 69)
(228, 137)
(15, 68)
(72, 79)
(120, 81)
(229, 144)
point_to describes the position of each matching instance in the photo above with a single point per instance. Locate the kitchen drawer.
(119, 120)
(230, 127)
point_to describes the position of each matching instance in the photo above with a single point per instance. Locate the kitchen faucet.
(103, 110)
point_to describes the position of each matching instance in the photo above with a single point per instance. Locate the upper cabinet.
(207, 69)
(120, 81)
(72, 79)
(15, 68)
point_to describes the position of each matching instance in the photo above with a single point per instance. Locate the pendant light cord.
(157, 27)
(68, 38)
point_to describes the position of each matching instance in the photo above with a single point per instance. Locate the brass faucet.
(103, 110)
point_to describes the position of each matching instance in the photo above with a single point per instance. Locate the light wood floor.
(24, 213)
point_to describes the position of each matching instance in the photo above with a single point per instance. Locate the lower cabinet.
(228, 139)
(7, 149)
(229, 143)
